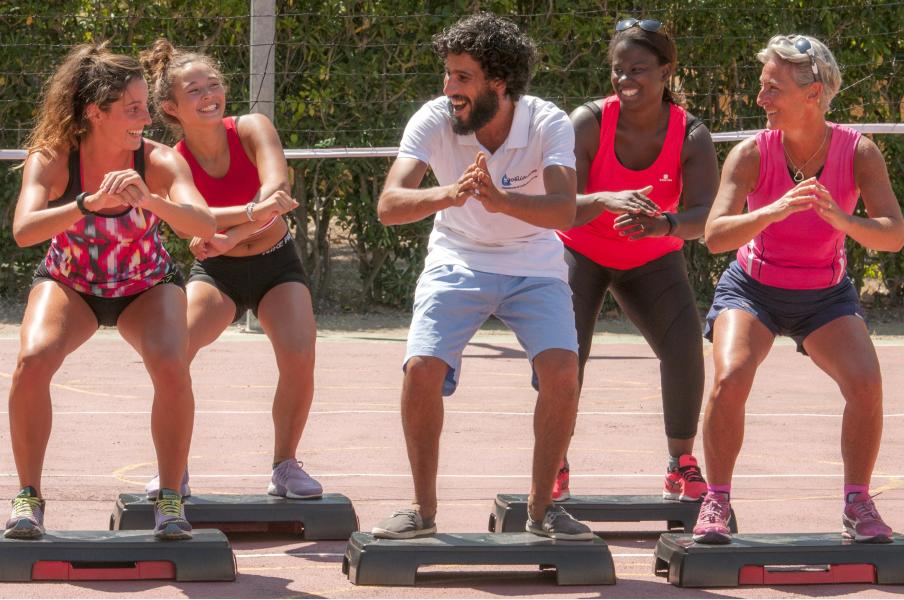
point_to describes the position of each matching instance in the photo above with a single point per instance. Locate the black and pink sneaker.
(560, 489)
(685, 483)
(862, 522)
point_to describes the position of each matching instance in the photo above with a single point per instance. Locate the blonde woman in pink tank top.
(800, 181)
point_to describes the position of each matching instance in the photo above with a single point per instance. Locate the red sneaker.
(560, 490)
(685, 484)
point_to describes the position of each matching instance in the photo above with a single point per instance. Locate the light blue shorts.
(452, 302)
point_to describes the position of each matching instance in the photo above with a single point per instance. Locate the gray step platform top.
(510, 511)
(689, 564)
(331, 517)
(206, 557)
(372, 561)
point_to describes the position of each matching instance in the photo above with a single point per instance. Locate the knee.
(167, 363)
(423, 373)
(864, 391)
(731, 385)
(294, 359)
(557, 371)
(37, 364)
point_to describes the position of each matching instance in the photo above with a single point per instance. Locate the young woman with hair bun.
(98, 190)
(252, 262)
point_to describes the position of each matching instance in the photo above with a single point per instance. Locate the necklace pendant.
(798, 176)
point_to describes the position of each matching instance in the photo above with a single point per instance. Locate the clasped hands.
(476, 182)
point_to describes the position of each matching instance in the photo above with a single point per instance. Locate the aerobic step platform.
(329, 518)
(510, 512)
(778, 559)
(371, 561)
(117, 555)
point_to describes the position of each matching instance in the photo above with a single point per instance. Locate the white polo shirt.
(468, 235)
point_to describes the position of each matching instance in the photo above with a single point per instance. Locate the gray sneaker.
(27, 519)
(403, 525)
(289, 480)
(559, 525)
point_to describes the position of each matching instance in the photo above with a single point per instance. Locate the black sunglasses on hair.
(649, 25)
(803, 45)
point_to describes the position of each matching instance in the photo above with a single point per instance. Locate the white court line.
(448, 412)
(459, 476)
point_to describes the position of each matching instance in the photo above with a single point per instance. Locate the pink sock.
(721, 489)
(853, 488)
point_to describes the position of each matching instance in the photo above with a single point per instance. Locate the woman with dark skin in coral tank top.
(252, 263)
(639, 155)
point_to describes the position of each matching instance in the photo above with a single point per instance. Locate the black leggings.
(658, 299)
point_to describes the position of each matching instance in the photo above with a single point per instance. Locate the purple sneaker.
(153, 487)
(290, 481)
(862, 522)
(26, 522)
(712, 522)
(169, 517)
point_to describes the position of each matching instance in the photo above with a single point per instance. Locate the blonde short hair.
(781, 47)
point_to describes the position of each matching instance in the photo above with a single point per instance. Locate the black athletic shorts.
(246, 279)
(107, 310)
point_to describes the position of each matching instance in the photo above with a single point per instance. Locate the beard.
(483, 109)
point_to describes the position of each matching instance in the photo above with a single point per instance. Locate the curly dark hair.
(497, 44)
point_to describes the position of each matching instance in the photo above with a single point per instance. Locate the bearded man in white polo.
(505, 164)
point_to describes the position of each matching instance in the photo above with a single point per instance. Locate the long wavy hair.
(89, 74)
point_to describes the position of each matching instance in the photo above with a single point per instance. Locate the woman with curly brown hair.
(98, 191)
(252, 263)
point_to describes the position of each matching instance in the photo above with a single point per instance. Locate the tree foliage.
(350, 74)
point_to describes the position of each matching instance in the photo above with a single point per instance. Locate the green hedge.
(352, 73)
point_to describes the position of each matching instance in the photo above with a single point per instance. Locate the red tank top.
(240, 184)
(598, 240)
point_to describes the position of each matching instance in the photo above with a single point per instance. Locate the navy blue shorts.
(795, 313)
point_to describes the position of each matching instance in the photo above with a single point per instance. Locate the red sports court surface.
(789, 474)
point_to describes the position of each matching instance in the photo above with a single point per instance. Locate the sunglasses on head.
(803, 45)
(649, 25)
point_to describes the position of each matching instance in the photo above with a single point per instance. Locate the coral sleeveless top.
(802, 252)
(598, 240)
(240, 184)
(109, 256)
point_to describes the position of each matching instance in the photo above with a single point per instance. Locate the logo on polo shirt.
(517, 181)
(665, 178)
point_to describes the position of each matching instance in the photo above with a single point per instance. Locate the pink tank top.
(598, 240)
(802, 252)
(109, 256)
(240, 184)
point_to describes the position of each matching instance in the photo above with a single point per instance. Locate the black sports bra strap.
(138, 160)
(593, 107)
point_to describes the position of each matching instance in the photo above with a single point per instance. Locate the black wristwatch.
(672, 222)
(80, 202)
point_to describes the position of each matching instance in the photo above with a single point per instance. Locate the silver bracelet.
(249, 211)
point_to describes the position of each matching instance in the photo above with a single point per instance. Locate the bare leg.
(422, 422)
(740, 344)
(56, 322)
(210, 312)
(155, 324)
(554, 419)
(857, 373)
(287, 318)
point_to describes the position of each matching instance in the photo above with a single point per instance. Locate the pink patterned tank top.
(109, 256)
